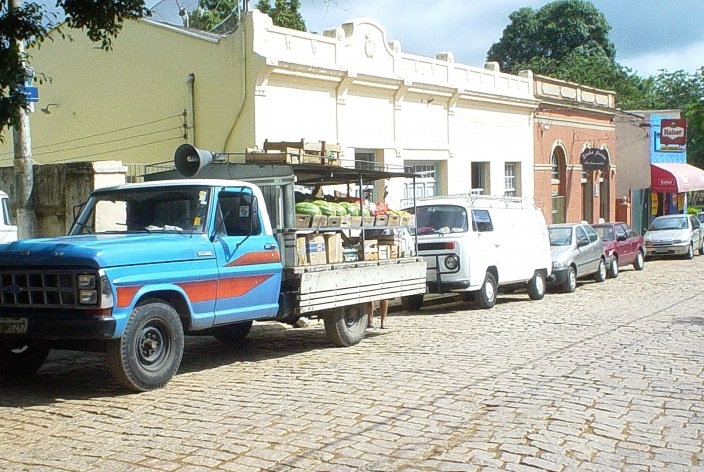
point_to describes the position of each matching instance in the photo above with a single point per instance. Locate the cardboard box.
(384, 251)
(370, 251)
(333, 247)
(315, 249)
(301, 255)
(393, 251)
(350, 254)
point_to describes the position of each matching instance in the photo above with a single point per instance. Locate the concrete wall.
(60, 187)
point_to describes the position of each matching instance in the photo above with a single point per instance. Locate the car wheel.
(600, 275)
(640, 261)
(701, 248)
(486, 296)
(22, 358)
(613, 268)
(570, 284)
(690, 252)
(536, 286)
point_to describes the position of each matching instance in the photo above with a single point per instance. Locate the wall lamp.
(46, 110)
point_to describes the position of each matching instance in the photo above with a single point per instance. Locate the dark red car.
(622, 247)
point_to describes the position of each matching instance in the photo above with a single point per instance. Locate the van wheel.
(345, 326)
(149, 352)
(536, 286)
(613, 268)
(232, 333)
(486, 296)
(22, 358)
(701, 248)
(412, 302)
(600, 275)
(640, 261)
(570, 283)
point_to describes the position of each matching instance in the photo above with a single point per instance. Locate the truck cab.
(8, 229)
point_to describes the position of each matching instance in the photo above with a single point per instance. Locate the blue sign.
(32, 94)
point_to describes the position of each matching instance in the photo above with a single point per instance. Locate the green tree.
(211, 13)
(284, 13)
(554, 32)
(31, 23)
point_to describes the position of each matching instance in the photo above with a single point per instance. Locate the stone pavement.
(608, 378)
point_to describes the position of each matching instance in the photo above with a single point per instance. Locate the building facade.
(461, 128)
(575, 162)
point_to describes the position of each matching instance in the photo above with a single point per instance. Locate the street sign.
(32, 94)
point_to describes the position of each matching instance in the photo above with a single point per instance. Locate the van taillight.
(449, 245)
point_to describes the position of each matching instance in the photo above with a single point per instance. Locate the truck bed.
(322, 287)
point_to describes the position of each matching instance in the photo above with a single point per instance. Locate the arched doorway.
(558, 184)
(605, 189)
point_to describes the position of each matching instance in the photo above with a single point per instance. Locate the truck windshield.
(441, 219)
(165, 209)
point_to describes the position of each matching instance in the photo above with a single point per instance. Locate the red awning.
(675, 178)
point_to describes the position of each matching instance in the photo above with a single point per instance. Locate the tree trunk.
(24, 172)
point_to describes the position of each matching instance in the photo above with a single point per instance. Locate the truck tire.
(345, 326)
(232, 333)
(536, 286)
(412, 302)
(149, 352)
(21, 359)
(485, 297)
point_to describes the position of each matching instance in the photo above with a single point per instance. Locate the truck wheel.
(570, 283)
(345, 326)
(20, 359)
(536, 286)
(412, 302)
(486, 296)
(149, 352)
(232, 333)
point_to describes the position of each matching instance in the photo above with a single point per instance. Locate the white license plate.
(13, 325)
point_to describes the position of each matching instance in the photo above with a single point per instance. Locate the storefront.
(669, 184)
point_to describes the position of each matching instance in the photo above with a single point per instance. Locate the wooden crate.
(394, 220)
(368, 221)
(381, 220)
(303, 221)
(319, 221)
(355, 221)
(334, 221)
(309, 152)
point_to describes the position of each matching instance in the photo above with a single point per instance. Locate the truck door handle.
(269, 247)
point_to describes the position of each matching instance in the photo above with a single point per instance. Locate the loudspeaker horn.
(189, 160)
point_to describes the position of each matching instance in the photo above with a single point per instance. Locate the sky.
(650, 35)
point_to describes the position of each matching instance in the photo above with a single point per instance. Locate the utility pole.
(24, 172)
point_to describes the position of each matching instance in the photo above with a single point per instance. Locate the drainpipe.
(190, 81)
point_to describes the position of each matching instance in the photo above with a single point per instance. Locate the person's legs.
(370, 322)
(383, 310)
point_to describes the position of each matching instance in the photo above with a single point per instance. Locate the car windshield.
(660, 224)
(606, 232)
(441, 219)
(560, 236)
(165, 209)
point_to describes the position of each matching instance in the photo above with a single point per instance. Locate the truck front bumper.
(60, 326)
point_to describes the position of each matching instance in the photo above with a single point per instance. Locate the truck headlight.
(85, 281)
(88, 297)
(558, 265)
(452, 262)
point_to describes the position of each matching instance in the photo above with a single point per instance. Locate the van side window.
(239, 214)
(481, 221)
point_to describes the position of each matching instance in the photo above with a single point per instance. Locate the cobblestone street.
(607, 378)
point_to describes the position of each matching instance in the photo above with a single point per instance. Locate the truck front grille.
(37, 288)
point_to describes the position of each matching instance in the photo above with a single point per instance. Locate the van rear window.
(441, 219)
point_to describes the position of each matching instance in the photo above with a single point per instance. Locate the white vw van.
(8, 230)
(477, 244)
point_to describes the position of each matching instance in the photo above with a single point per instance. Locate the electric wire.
(115, 150)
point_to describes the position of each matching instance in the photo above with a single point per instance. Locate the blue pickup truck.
(145, 264)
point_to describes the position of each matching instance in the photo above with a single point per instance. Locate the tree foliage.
(284, 13)
(556, 32)
(211, 13)
(101, 20)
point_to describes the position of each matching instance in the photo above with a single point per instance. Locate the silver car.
(674, 235)
(577, 251)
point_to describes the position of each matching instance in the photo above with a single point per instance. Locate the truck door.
(248, 257)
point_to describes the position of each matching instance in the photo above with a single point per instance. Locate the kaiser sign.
(673, 135)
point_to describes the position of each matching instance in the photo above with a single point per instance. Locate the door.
(625, 247)
(587, 257)
(249, 260)
(486, 252)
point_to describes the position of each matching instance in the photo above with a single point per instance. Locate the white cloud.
(689, 59)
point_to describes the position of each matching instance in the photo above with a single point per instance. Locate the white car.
(674, 235)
